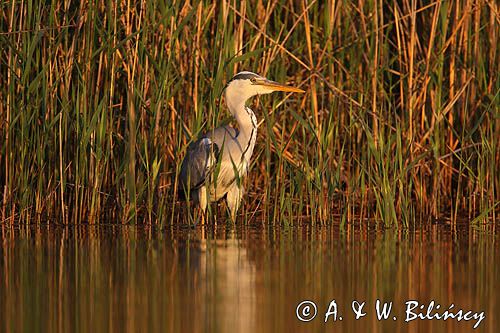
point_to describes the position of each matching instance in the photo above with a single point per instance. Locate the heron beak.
(275, 86)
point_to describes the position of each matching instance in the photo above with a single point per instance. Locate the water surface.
(242, 278)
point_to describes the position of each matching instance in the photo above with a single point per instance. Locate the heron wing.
(199, 162)
(222, 135)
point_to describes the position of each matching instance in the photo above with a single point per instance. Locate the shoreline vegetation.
(400, 123)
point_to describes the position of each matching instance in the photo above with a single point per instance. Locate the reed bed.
(400, 123)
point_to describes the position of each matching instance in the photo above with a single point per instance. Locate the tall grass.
(400, 122)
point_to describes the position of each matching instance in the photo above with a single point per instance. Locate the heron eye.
(253, 80)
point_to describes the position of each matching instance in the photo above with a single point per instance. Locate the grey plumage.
(202, 158)
(208, 171)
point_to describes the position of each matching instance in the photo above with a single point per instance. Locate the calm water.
(242, 279)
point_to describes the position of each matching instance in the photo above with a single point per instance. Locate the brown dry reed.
(400, 123)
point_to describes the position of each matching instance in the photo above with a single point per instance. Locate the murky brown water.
(243, 278)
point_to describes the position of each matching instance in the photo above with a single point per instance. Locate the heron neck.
(247, 123)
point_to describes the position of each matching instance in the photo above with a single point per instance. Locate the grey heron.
(216, 163)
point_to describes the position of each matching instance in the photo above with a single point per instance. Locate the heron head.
(247, 84)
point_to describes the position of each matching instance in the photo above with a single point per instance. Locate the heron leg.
(233, 199)
(203, 202)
